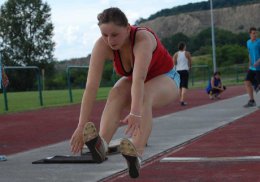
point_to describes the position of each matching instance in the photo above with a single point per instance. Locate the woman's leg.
(159, 92)
(119, 98)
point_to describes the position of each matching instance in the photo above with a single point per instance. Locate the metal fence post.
(69, 84)
(38, 78)
(192, 78)
(39, 86)
(5, 98)
(237, 72)
(68, 79)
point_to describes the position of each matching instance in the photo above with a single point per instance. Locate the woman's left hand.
(133, 124)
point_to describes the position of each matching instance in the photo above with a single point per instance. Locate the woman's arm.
(213, 86)
(143, 50)
(100, 53)
(93, 80)
(212, 82)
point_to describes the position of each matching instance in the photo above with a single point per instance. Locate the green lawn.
(23, 101)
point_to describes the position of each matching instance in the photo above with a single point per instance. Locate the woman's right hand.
(77, 141)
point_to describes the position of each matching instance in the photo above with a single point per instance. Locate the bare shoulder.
(101, 49)
(144, 36)
(175, 54)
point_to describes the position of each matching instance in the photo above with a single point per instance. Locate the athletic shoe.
(129, 152)
(251, 103)
(216, 96)
(257, 89)
(3, 158)
(183, 103)
(94, 143)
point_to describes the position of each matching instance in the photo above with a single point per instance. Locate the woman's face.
(115, 36)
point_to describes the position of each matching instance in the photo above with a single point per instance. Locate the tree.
(26, 34)
(171, 43)
(231, 55)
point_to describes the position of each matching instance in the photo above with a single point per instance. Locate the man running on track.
(253, 74)
(148, 81)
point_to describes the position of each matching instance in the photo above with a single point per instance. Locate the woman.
(148, 81)
(215, 87)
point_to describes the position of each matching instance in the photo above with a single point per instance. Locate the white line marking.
(210, 159)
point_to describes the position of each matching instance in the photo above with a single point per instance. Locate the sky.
(75, 22)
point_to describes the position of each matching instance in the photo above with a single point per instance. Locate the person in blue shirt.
(215, 87)
(253, 74)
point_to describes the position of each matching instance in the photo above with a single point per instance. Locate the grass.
(24, 101)
(202, 60)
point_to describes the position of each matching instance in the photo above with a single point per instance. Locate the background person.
(215, 87)
(148, 81)
(253, 74)
(182, 60)
(3, 82)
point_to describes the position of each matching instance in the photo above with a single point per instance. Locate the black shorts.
(253, 77)
(184, 77)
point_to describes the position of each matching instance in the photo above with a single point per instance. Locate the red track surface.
(240, 138)
(27, 130)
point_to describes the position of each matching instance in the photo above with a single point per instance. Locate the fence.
(38, 77)
(199, 77)
(69, 79)
(201, 74)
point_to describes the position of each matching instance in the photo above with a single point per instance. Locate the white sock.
(139, 160)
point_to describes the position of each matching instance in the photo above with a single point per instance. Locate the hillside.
(199, 6)
(62, 65)
(235, 19)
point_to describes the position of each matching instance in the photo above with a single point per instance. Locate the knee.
(117, 93)
(113, 93)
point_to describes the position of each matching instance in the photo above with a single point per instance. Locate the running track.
(28, 130)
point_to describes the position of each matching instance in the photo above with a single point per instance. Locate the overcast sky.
(75, 22)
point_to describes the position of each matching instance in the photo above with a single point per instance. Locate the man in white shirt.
(182, 61)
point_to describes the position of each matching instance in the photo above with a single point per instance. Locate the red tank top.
(161, 60)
